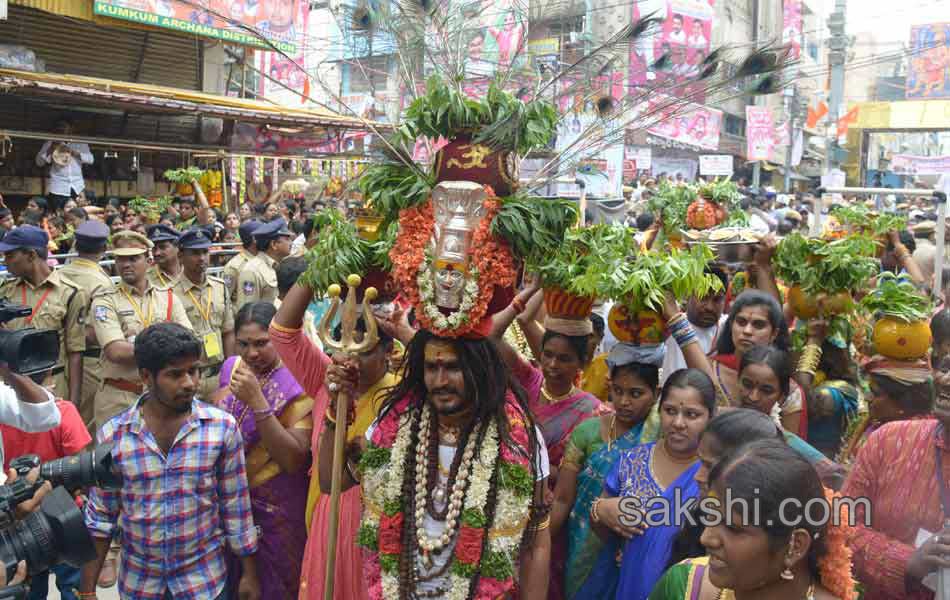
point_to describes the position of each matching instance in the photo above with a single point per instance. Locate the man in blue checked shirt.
(184, 503)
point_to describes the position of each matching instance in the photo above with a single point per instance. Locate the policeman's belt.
(125, 385)
(92, 352)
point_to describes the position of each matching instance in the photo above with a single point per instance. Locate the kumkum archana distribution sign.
(277, 21)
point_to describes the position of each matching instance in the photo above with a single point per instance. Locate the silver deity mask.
(458, 207)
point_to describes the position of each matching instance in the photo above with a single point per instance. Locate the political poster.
(284, 78)
(760, 133)
(928, 69)
(792, 27)
(683, 39)
(689, 124)
(277, 21)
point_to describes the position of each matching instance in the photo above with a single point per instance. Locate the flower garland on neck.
(491, 264)
(834, 568)
(482, 551)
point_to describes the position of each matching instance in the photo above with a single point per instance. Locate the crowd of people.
(220, 399)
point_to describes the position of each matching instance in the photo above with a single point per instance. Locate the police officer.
(234, 266)
(91, 240)
(121, 314)
(257, 282)
(208, 306)
(57, 303)
(166, 271)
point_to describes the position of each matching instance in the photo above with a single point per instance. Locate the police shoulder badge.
(248, 288)
(101, 314)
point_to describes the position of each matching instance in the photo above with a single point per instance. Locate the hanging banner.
(684, 38)
(690, 124)
(286, 82)
(906, 164)
(671, 167)
(928, 70)
(636, 158)
(760, 132)
(716, 164)
(275, 20)
(792, 28)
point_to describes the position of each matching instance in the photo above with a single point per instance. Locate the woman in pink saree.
(557, 402)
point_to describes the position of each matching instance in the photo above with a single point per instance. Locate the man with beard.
(208, 305)
(456, 400)
(706, 316)
(187, 501)
(166, 272)
(121, 314)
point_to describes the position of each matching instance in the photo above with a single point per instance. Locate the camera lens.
(91, 468)
(53, 534)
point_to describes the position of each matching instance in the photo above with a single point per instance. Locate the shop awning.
(138, 97)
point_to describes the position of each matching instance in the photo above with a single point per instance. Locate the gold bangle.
(675, 319)
(594, 517)
(543, 525)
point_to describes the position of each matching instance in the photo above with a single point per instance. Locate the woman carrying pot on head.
(634, 556)
(775, 552)
(594, 448)
(557, 402)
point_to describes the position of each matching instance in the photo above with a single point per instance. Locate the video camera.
(26, 351)
(56, 532)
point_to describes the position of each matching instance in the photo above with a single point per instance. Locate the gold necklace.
(672, 459)
(727, 594)
(610, 431)
(552, 398)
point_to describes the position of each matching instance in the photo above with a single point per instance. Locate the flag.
(845, 122)
(817, 110)
(798, 148)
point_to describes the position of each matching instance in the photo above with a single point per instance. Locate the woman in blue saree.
(594, 447)
(634, 556)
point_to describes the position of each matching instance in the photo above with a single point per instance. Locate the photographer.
(25, 405)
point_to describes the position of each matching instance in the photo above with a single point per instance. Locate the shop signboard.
(277, 21)
(671, 167)
(928, 68)
(716, 165)
(760, 132)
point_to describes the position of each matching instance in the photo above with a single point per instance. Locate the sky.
(890, 24)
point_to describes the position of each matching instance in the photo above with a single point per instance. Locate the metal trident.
(348, 345)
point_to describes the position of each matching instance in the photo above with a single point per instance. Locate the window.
(367, 75)
(734, 125)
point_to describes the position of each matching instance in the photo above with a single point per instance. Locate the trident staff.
(351, 348)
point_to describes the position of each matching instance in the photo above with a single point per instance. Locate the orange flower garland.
(834, 567)
(490, 256)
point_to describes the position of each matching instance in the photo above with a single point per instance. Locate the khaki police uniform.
(161, 279)
(92, 279)
(59, 304)
(208, 306)
(257, 282)
(120, 315)
(232, 269)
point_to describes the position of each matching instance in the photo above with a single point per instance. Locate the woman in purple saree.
(275, 418)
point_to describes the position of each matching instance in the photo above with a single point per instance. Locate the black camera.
(56, 532)
(26, 351)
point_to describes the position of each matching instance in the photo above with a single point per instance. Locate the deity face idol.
(449, 284)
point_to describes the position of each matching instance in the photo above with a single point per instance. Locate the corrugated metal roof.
(155, 98)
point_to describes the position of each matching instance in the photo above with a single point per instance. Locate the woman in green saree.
(593, 449)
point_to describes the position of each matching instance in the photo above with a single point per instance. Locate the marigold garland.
(834, 568)
(491, 259)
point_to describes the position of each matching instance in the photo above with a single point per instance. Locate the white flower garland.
(427, 295)
(384, 484)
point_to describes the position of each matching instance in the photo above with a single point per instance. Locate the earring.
(787, 574)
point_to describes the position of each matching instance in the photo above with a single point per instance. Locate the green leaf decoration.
(497, 565)
(373, 457)
(516, 478)
(339, 252)
(859, 219)
(819, 265)
(585, 257)
(183, 175)
(150, 206)
(389, 563)
(534, 227)
(897, 297)
(368, 537)
(641, 281)
(389, 188)
(473, 517)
